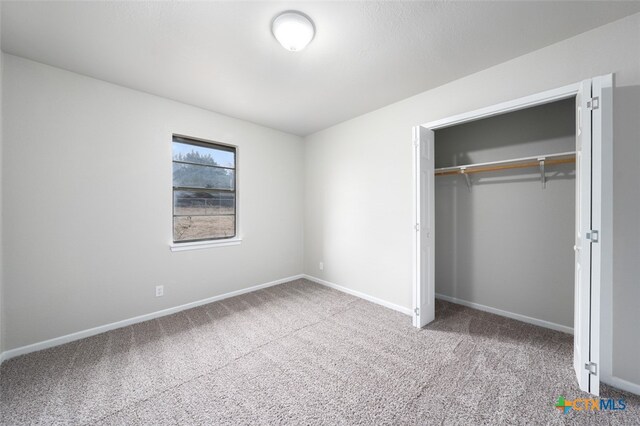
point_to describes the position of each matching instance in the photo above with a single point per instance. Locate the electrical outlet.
(321, 266)
(159, 290)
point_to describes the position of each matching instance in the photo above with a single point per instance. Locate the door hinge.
(416, 311)
(417, 227)
(593, 236)
(592, 368)
(593, 103)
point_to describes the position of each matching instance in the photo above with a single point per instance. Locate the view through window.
(204, 190)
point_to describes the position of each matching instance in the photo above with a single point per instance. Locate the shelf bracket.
(466, 178)
(543, 177)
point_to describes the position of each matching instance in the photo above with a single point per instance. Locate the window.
(204, 190)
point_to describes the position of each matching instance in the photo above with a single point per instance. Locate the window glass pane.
(186, 228)
(203, 155)
(199, 203)
(206, 209)
(202, 176)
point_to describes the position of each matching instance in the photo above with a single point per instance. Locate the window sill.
(197, 245)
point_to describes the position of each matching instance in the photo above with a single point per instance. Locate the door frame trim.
(525, 102)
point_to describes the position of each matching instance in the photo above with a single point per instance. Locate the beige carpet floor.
(300, 353)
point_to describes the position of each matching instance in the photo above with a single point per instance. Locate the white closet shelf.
(517, 163)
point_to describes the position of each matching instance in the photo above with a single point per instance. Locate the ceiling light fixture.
(293, 29)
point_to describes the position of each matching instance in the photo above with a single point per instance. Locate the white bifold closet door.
(424, 295)
(582, 304)
(593, 225)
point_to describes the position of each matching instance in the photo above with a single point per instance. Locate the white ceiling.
(221, 55)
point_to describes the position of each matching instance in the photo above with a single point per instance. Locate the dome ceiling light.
(293, 29)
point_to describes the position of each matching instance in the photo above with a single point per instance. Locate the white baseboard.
(523, 318)
(119, 324)
(406, 311)
(622, 384)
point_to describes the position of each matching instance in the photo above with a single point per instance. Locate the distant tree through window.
(204, 190)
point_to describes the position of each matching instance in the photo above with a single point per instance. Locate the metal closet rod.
(516, 163)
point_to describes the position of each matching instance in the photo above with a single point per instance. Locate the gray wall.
(88, 205)
(507, 243)
(359, 183)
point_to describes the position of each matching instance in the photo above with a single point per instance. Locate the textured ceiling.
(221, 55)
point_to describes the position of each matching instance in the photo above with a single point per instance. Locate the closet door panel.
(583, 245)
(424, 297)
(601, 220)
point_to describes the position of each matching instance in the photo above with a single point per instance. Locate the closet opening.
(513, 215)
(505, 196)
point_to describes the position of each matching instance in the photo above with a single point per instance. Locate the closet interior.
(505, 197)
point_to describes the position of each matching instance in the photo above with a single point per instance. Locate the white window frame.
(220, 242)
